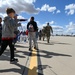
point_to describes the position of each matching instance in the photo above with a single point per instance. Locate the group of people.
(46, 33)
(9, 32)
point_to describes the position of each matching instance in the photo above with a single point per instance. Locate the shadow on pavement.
(48, 54)
(20, 71)
(6, 55)
(21, 46)
(23, 70)
(61, 43)
(41, 67)
(45, 43)
(14, 69)
(52, 43)
(45, 54)
(40, 70)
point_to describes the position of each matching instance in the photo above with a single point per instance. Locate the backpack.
(26, 32)
(31, 28)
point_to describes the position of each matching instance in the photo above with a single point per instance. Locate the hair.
(48, 23)
(10, 10)
(32, 18)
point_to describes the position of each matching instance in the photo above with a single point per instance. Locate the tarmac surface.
(55, 58)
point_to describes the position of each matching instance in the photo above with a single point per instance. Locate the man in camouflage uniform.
(48, 30)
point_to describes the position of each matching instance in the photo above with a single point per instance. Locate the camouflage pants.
(43, 36)
(48, 38)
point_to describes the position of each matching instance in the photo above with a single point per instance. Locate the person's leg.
(48, 39)
(30, 40)
(11, 45)
(43, 37)
(0, 38)
(34, 39)
(3, 46)
(39, 37)
(36, 43)
(37, 40)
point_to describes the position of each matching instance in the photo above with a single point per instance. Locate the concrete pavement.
(56, 58)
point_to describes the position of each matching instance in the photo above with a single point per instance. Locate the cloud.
(40, 25)
(70, 27)
(3, 15)
(57, 27)
(26, 6)
(19, 5)
(46, 7)
(70, 9)
(52, 22)
(58, 11)
(52, 9)
(20, 17)
(66, 30)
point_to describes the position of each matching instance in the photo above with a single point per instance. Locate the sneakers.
(13, 61)
(34, 47)
(14, 48)
(30, 49)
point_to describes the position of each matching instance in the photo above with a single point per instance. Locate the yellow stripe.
(33, 63)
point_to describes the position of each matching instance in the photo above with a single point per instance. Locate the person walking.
(49, 30)
(40, 34)
(43, 33)
(8, 34)
(32, 29)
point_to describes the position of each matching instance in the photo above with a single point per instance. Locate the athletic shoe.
(13, 61)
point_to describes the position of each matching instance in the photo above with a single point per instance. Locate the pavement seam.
(26, 64)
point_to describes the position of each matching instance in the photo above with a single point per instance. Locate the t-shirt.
(31, 28)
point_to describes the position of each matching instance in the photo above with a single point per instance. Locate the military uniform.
(43, 33)
(48, 32)
(40, 34)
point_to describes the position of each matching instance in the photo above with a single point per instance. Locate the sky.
(59, 13)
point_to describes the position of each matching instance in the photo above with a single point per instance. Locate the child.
(8, 33)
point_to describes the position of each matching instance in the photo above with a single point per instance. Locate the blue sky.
(59, 13)
(60, 19)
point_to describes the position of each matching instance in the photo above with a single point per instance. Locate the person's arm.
(51, 29)
(36, 26)
(27, 26)
(17, 20)
(23, 19)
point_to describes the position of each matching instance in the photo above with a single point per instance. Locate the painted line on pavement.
(33, 63)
